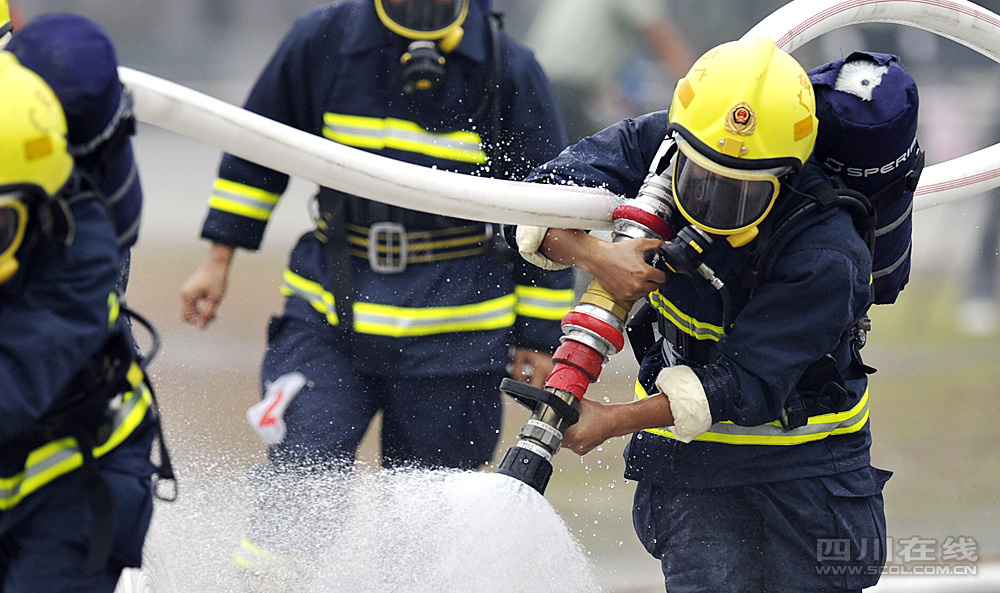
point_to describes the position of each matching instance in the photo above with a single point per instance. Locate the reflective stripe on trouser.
(381, 133)
(394, 321)
(59, 457)
(818, 427)
(250, 556)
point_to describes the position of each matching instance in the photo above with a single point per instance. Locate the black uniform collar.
(369, 33)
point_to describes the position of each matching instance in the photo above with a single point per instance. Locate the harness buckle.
(794, 414)
(392, 236)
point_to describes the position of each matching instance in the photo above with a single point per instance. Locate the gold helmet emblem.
(741, 119)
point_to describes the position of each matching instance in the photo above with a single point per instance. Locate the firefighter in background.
(77, 59)
(737, 490)
(75, 420)
(389, 309)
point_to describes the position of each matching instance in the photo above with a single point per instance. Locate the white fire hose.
(234, 130)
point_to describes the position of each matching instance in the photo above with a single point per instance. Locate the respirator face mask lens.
(13, 220)
(721, 200)
(422, 19)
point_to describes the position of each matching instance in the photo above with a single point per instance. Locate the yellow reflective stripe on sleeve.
(544, 303)
(685, 323)
(311, 292)
(378, 134)
(57, 458)
(819, 427)
(398, 322)
(242, 200)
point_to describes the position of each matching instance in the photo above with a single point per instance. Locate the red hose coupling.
(605, 330)
(577, 366)
(647, 219)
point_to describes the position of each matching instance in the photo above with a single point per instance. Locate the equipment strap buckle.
(390, 237)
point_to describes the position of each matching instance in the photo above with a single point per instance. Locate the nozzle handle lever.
(530, 396)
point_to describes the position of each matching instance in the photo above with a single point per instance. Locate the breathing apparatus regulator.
(432, 28)
(740, 121)
(35, 166)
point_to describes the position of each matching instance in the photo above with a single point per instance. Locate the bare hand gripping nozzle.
(595, 329)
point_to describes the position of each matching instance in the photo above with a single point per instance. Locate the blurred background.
(935, 399)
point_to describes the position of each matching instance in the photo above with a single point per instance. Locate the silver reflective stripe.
(59, 457)
(412, 136)
(411, 323)
(131, 232)
(685, 323)
(892, 268)
(243, 199)
(818, 428)
(892, 225)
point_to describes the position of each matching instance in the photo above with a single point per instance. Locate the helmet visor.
(719, 199)
(422, 19)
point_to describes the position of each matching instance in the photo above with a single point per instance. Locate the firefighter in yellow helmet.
(75, 419)
(750, 433)
(35, 163)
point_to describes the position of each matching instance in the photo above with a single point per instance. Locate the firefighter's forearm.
(571, 247)
(648, 412)
(221, 254)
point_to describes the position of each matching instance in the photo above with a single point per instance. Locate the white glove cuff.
(529, 239)
(688, 402)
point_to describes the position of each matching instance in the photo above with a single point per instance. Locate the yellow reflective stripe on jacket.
(57, 458)
(398, 322)
(818, 428)
(242, 200)
(114, 307)
(544, 303)
(684, 322)
(378, 133)
(313, 293)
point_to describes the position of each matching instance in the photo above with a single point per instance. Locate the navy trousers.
(815, 534)
(442, 422)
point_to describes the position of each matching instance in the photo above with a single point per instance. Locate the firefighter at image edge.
(389, 309)
(733, 492)
(76, 417)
